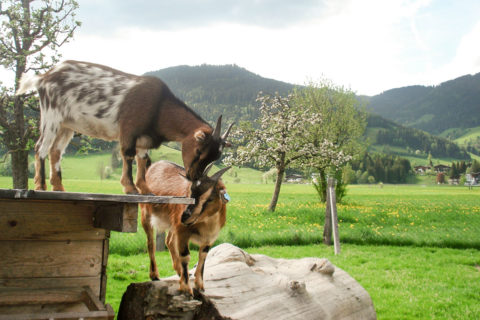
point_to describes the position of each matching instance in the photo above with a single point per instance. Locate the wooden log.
(243, 286)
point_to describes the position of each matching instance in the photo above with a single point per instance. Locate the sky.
(368, 46)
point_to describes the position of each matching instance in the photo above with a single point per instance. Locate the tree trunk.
(18, 137)
(276, 193)
(20, 169)
(323, 184)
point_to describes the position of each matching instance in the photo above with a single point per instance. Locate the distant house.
(454, 182)
(294, 178)
(422, 169)
(472, 179)
(441, 168)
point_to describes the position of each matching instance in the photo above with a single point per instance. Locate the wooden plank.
(9, 297)
(160, 241)
(50, 283)
(43, 220)
(40, 259)
(91, 301)
(103, 277)
(118, 217)
(77, 306)
(89, 315)
(78, 196)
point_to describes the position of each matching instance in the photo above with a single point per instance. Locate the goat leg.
(127, 179)
(142, 166)
(184, 259)
(39, 179)
(149, 231)
(202, 256)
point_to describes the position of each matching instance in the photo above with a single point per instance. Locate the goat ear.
(199, 135)
(219, 173)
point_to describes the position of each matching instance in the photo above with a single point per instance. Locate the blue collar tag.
(226, 196)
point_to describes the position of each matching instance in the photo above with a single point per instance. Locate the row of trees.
(318, 126)
(383, 168)
(459, 168)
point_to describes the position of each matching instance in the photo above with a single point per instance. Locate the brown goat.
(138, 111)
(202, 226)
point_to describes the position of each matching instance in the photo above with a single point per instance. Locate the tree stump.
(243, 286)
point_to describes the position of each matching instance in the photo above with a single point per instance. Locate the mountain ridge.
(231, 90)
(451, 104)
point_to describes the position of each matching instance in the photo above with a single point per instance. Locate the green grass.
(414, 248)
(408, 215)
(415, 160)
(470, 133)
(403, 282)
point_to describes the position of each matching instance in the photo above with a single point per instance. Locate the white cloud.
(369, 46)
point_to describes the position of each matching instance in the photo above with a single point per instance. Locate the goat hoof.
(155, 279)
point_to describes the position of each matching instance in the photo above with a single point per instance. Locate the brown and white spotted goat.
(139, 111)
(202, 226)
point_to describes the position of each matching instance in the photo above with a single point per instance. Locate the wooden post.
(160, 241)
(327, 228)
(332, 203)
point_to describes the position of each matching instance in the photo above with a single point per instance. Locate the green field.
(414, 248)
(468, 134)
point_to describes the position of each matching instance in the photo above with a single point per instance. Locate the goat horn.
(225, 135)
(219, 173)
(218, 128)
(207, 169)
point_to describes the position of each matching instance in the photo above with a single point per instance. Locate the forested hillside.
(231, 90)
(452, 104)
(412, 141)
(214, 90)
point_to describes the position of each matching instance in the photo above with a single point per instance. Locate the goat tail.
(27, 82)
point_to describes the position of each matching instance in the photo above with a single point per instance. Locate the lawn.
(413, 248)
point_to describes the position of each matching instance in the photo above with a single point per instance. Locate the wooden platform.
(54, 250)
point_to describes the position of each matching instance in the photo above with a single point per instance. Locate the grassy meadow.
(414, 248)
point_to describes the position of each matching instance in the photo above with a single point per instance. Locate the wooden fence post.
(327, 228)
(332, 205)
(160, 241)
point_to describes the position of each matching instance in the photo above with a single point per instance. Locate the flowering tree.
(337, 140)
(278, 140)
(30, 34)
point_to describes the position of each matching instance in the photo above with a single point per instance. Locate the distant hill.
(452, 104)
(231, 90)
(389, 137)
(213, 90)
